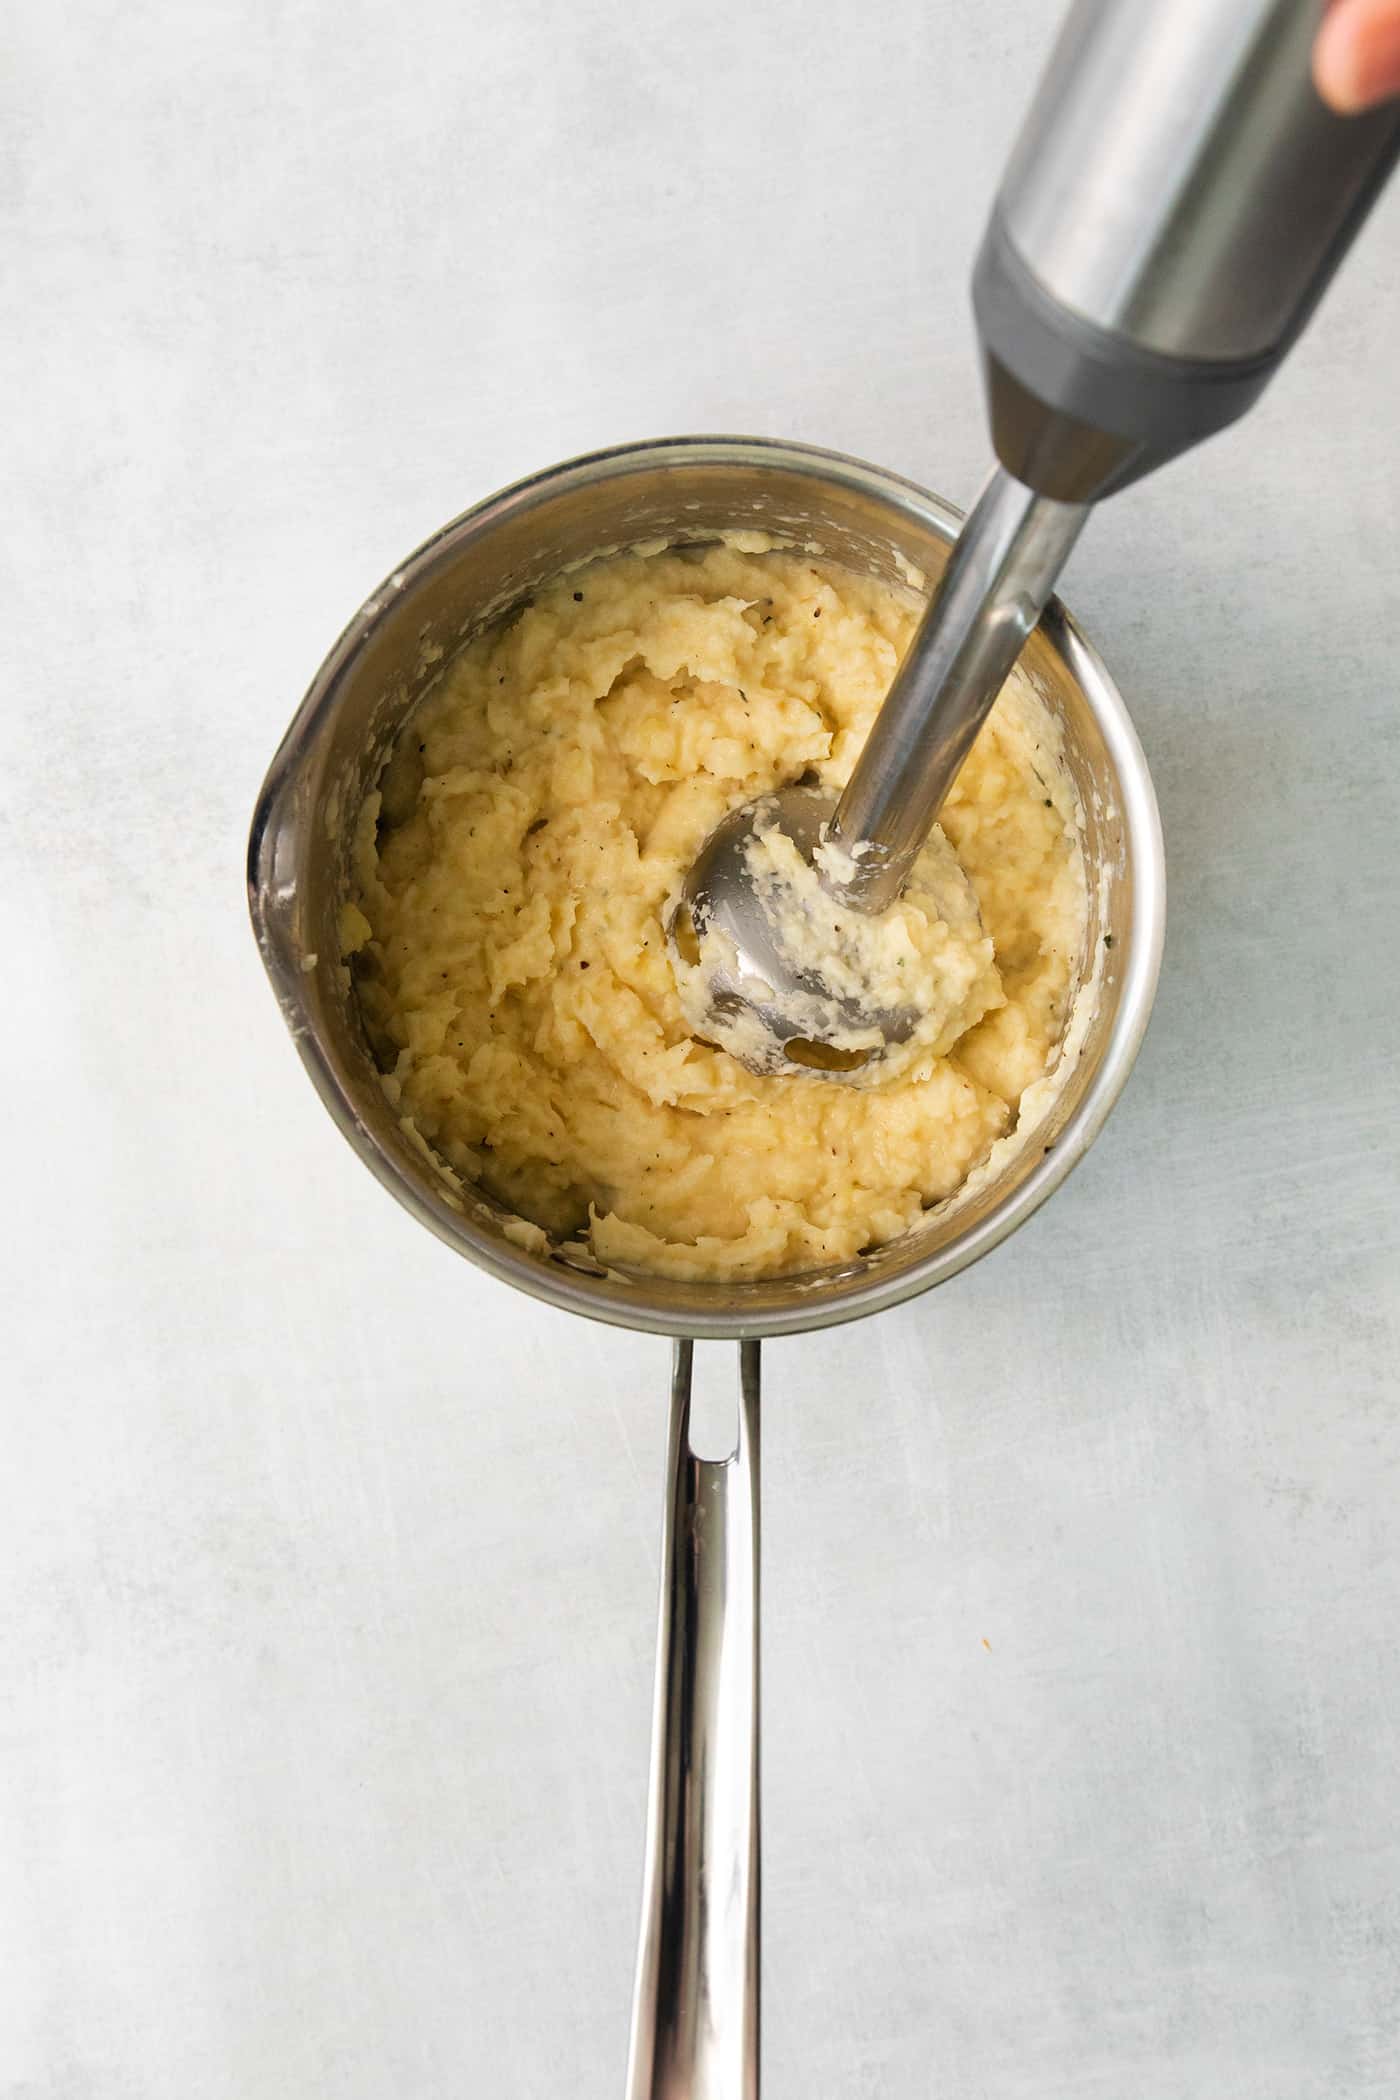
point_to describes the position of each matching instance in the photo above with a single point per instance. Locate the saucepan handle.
(695, 2010)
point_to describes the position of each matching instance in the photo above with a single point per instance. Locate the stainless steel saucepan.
(695, 2018)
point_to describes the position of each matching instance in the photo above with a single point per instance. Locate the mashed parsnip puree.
(514, 875)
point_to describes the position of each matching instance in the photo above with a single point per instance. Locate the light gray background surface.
(327, 1566)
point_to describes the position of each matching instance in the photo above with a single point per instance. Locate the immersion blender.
(1177, 200)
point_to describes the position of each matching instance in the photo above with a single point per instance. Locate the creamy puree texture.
(927, 955)
(515, 869)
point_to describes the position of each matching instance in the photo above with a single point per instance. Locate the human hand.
(1356, 58)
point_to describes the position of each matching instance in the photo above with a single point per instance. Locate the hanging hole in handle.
(714, 1403)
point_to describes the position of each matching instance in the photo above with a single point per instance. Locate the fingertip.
(1337, 68)
(1356, 57)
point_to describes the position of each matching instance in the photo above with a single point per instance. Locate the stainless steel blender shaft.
(1000, 574)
